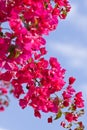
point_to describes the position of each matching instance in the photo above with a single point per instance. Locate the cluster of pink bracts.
(24, 71)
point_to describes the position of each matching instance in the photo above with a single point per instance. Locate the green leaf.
(59, 114)
(17, 53)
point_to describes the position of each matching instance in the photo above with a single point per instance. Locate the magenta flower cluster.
(24, 71)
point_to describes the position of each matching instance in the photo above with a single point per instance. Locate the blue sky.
(69, 44)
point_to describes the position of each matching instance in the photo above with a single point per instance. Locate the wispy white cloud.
(2, 129)
(77, 18)
(76, 55)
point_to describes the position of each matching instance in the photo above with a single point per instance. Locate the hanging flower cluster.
(24, 71)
